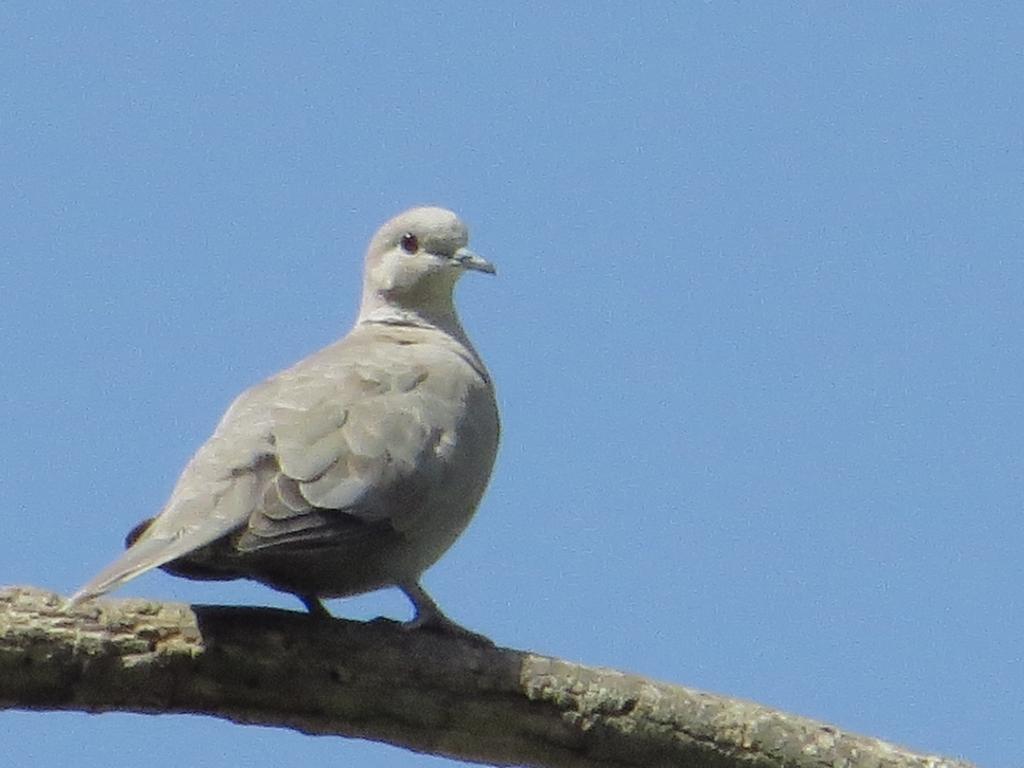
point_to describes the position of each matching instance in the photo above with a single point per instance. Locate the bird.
(359, 466)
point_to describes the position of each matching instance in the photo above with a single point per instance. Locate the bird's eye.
(410, 243)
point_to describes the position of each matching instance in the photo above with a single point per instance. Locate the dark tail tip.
(138, 530)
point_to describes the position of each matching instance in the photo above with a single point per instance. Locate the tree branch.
(425, 692)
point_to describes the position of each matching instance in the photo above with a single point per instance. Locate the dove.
(356, 468)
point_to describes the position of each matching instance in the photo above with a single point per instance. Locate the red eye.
(410, 243)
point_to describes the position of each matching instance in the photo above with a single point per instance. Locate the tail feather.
(141, 557)
(181, 528)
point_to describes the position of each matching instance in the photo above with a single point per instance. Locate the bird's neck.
(438, 315)
(446, 323)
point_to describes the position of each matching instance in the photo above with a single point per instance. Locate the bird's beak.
(467, 259)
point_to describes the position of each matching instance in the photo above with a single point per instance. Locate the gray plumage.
(358, 467)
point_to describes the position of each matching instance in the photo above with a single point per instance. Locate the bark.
(426, 692)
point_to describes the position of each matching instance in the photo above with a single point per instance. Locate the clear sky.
(757, 328)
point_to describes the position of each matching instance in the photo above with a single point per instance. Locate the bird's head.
(415, 259)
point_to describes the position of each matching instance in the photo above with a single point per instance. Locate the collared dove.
(358, 467)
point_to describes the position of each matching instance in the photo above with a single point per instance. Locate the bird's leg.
(430, 617)
(314, 606)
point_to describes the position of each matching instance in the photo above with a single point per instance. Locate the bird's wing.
(311, 457)
(354, 461)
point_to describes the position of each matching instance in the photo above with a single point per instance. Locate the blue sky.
(757, 328)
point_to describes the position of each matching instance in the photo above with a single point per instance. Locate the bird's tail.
(177, 531)
(144, 553)
(141, 557)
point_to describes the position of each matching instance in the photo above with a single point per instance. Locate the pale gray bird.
(356, 468)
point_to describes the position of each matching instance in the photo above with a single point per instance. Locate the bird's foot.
(315, 607)
(431, 619)
(442, 625)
